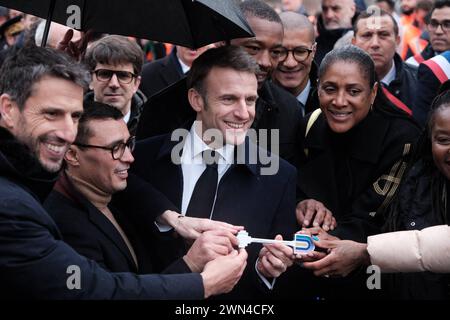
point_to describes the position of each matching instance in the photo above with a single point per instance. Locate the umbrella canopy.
(189, 23)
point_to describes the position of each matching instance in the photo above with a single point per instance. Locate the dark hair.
(390, 3)
(23, 68)
(259, 9)
(232, 57)
(426, 5)
(421, 164)
(94, 111)
(115, 50)
(370, 13)
(350, 54)
(439, 4)
(356, 55)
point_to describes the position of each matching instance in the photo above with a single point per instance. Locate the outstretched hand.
(313, 213)
(343, 257)
(191, 228)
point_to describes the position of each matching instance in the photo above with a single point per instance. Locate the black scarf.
(19, 164)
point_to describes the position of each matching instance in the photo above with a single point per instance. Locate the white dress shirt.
(184, 67)
(192, 164)
(390, 76)
(126, 117)
(303, 96)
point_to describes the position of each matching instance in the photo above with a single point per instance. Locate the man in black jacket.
(297, 71)
(380, 40)
(276, 109)
(116, 63)
(41, 94)
(161, 73)
(96, 167)
(438, 33)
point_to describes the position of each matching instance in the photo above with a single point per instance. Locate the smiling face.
(97, 166)
(113, 92)
(48, 122)
(440, 141)
(229, 105)
(263, 48)
(291, 74)
(345, 95)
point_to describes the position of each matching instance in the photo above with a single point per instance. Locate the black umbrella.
(189, 23)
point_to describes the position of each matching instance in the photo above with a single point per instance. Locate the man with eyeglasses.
(41, 101)
(439, 32)
(276, 109)
(296, 71)
(116, 64)
(435, 70)
(96, 167)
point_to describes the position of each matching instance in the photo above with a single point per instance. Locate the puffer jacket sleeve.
(412, 251)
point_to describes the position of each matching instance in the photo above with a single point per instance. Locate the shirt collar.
(126, 117)
(185, 68)
(390, 76)
(195, 146)
(303, 96)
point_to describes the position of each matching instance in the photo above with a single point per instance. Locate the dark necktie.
(202, 198)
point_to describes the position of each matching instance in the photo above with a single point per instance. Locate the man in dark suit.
(235, 188)
(40, 105)
(276, 110)
(97, 167)
(161, 73)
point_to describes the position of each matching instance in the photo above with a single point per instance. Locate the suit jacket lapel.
(171, 171)
(110, 231)
(172, 71)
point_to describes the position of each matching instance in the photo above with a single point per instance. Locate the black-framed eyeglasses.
(300, 54)
(434, 24)
(116, 150)
(105, 75)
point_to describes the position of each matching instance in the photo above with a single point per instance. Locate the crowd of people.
(128, 167)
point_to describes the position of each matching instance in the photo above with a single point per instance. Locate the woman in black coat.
(354, 149)
(421, 202)
(352, 155)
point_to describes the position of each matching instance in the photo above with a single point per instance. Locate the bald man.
(296, 71)
(334, 23)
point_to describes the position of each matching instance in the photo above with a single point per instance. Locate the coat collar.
(266, 94)
(18, 162)
(241, 158)
(66, 188)
(362, 145)
(172, 60)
